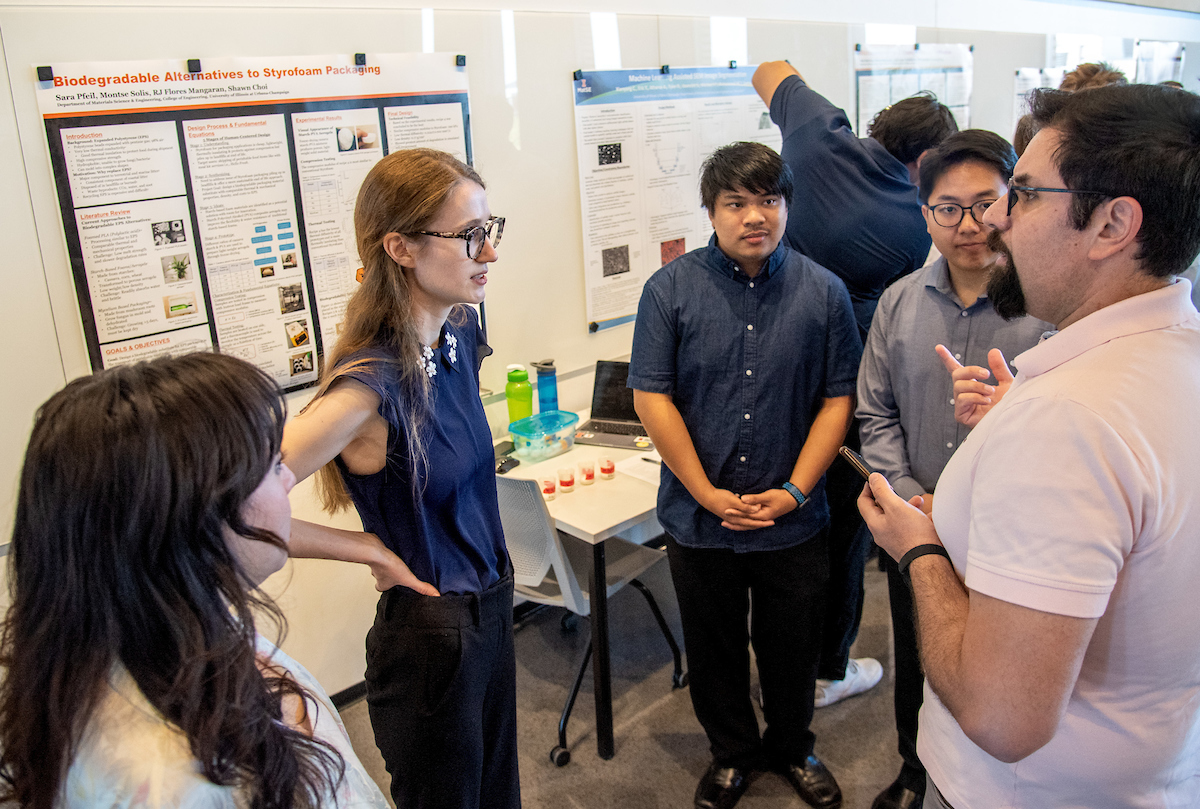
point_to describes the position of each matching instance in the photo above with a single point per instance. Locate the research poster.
(213, 209)
(1158, 61)
(1029, 79)
(885, 74)
(641, 136)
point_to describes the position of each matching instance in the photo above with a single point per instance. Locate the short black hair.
(968, 146)
(745, 164)
(909, 127)
(1141, 141)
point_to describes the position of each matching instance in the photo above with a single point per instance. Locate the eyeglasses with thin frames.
(1012, 198)
(950, 214)
(491, 230)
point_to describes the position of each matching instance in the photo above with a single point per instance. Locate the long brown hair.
(402, 194)
(119, 556)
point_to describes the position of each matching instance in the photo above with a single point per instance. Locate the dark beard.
(1004, 288)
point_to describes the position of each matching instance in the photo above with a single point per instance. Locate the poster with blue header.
(641, 136)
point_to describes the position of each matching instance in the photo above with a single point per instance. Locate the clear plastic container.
(544, 435)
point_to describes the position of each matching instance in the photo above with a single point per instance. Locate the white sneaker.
(862, 674)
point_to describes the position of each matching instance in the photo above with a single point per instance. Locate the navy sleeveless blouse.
(448, 531)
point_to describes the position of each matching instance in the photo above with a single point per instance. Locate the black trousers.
(783, 594)
(441, 692)
(849, 544)
(910, 681)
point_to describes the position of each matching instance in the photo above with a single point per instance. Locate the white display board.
(642, 136)
(1158, 61)
(213, 207)
(885, 74)
(1029, 79)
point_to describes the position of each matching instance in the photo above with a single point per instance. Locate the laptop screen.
(610, 398)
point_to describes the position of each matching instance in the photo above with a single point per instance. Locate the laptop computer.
(614, 422)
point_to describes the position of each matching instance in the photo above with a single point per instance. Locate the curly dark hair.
(131, 480)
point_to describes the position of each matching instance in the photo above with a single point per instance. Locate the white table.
(624, 507)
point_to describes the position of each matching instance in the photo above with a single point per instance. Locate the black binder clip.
(665, 69)
(733, 64)
(360, 60)
(577, 75)
(45, 73)
(460, 61)
(194, 66)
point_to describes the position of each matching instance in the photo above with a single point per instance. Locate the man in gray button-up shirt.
(905, 395)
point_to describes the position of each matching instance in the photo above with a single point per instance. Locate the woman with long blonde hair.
(398, 430)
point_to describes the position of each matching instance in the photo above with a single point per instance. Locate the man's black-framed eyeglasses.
(1012, 198)
(950, 214)
(491, 230)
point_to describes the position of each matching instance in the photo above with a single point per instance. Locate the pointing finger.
(947, 358)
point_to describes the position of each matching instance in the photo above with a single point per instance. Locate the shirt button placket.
(750, 355)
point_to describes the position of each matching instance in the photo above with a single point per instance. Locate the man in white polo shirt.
(1053, 587)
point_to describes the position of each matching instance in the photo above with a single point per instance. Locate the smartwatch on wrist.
(791, 489)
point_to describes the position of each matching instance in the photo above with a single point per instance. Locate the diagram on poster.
(885, 74)
(214, 209)
(641, 136)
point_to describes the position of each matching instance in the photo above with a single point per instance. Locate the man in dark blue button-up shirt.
(857, 213)
(744, 359)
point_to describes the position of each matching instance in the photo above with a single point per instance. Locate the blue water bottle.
(547, 386)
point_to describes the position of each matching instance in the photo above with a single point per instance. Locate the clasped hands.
(749, 511)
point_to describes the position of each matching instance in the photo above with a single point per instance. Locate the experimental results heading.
(85, 80)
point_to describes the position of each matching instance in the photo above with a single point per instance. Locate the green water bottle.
(519, 394)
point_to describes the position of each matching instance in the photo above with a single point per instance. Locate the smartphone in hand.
(855, 460)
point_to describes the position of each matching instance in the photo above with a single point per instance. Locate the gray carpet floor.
(661, 750)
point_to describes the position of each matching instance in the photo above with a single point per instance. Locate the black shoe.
(814, 783)
(898, 796)
(721, 787)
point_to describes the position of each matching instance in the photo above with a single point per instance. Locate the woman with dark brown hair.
(152, 504)
(398, 430)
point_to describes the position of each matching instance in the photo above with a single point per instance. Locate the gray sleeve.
(882, 435)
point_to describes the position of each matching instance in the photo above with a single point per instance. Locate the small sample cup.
(566, 479)
(548, 485)
(608, 467)
(587, 473)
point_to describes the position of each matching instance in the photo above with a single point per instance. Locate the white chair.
(553, 568)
